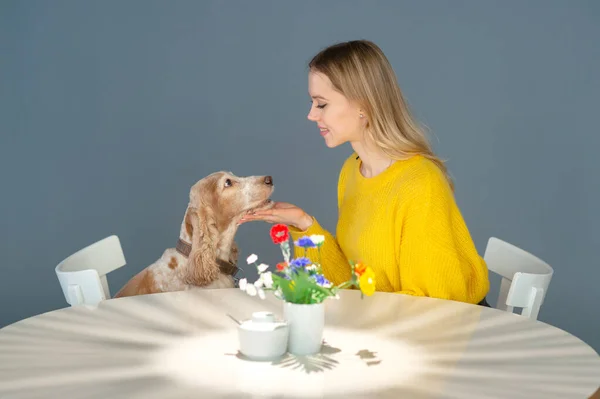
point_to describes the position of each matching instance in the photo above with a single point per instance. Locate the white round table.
(183, 345)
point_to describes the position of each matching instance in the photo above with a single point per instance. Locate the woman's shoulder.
(418, 174)
(415, 174)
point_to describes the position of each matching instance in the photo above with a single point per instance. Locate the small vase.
(306, 324)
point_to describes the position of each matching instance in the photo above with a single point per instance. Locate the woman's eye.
(228, 183)
(320, 106)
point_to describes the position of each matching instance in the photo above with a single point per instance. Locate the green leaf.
(304, 289)
(284, 284)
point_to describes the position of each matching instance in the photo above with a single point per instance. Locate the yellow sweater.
(404, 223)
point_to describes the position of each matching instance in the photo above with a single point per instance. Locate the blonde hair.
(362, 73)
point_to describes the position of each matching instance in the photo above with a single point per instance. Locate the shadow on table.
(319, 362)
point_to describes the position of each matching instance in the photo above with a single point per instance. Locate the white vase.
(306, 324)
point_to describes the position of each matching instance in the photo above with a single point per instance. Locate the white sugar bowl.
(262, 337)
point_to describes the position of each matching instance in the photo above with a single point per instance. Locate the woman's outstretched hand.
(281, 212)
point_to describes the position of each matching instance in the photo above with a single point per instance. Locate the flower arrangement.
(300, 280)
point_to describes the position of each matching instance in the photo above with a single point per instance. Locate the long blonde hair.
(362, 73)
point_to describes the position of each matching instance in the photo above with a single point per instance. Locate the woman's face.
(337, 118)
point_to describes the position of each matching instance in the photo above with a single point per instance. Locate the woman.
(397, 212)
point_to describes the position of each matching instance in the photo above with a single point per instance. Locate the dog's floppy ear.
(202, 268)
(233, 255)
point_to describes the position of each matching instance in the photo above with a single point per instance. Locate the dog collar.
(185, 249)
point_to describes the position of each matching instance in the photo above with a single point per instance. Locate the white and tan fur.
(217, 203)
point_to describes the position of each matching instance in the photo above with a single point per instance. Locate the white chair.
(525, 277)
(82, 276)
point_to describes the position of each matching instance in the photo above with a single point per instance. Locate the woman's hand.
(281, 212)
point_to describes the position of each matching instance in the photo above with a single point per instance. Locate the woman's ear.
(202, 267)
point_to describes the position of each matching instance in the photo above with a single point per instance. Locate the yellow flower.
(367, 282)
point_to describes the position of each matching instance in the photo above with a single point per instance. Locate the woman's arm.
(334, 264)
(436, 254)
(333, 261)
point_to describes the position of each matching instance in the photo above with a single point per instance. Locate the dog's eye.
(227, 182)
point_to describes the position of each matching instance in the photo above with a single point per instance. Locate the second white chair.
(82, 276)
(525, 277)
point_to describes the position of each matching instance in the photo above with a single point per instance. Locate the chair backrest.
(525, 277)
(82, 275)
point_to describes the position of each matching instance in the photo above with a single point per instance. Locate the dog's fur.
(217, 203)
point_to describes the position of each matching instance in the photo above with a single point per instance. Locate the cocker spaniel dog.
(206, 253)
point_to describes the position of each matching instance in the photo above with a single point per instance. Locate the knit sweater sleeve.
(333, 261)
(435, 253)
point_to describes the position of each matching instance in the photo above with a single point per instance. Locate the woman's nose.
(312, 115)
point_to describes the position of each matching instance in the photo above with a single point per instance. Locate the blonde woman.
(396, 208)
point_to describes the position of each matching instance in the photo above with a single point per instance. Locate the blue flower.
(299, 263)
(321, 280)
(305, 242)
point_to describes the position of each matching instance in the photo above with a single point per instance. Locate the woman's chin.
(330, 141)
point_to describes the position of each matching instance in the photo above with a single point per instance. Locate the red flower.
(279, 233)
(281, 266)
(359, 269)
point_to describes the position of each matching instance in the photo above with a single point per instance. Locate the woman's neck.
(373, 160)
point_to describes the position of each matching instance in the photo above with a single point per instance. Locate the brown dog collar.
(185, 249)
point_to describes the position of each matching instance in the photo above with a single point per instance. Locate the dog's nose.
(268, 180)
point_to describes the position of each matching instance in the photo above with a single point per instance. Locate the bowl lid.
(262, 321)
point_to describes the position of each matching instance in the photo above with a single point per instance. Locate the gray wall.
(110, 110)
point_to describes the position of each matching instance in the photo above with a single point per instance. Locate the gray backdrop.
(110, 110)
